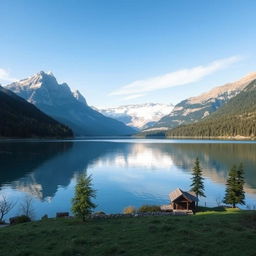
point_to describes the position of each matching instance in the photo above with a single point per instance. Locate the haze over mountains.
(69, 108)
(18, 118)
(196, 108)
(140, 116)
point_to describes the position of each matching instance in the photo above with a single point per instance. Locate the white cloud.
(176, 78)
(5, 76)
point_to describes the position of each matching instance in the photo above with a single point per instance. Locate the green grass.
(229, 232)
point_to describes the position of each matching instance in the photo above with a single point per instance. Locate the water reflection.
(124, 173)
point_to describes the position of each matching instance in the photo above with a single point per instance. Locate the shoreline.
(238, 138)
(139, 138)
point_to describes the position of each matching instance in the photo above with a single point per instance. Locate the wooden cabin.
(183, 200)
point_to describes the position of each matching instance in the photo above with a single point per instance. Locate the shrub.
(19, 219)
(129, 210)
(149, 208)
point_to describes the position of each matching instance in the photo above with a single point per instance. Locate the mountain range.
(42, 107)
(139, 116)
(235, 118)
(67, 107)
(197, 108)
(18, 118)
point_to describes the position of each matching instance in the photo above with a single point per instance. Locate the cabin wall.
(183, 204)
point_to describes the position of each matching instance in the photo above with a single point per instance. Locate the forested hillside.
(235, 118)
(195, 109)
(20, 119)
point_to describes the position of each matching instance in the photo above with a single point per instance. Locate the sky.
(120, 52)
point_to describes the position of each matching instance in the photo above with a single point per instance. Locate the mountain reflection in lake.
(125, 172)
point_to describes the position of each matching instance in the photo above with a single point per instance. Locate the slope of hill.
(18, 118)
(197, 108)
(217, 231)
(57, 101)
(140, 116)
(235, 118)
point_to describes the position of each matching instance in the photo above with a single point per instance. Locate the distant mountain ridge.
(235, 118)
(20, 119)
(196, 108)
(69, 108)
(140, 116)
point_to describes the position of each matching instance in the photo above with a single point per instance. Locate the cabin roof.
(179, 192)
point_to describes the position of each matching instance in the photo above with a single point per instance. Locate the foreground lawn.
(209, 233)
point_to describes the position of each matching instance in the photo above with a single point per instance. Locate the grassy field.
(230, 232)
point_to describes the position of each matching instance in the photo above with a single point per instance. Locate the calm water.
(125, 172)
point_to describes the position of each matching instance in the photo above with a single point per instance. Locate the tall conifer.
(235, 186)
(197, 185)
(82, 202)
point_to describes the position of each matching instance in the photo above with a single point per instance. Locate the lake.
(124, 171)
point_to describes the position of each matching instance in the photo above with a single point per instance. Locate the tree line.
(243, 125)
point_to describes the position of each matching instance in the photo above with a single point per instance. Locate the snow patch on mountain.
(140, 116)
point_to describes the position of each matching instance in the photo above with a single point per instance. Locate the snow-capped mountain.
(140, 116)
(196, 108)
(58, 101)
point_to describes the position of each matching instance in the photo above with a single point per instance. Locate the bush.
(19, 219)
(129, 210)
(149, 208)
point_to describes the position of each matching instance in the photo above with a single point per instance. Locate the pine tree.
(197, 185)
(235, 187)
(82, 202)
(240, 178)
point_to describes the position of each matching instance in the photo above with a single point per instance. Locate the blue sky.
(129, 51)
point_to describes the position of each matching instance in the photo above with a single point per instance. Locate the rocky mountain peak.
(42, 88)
(229, 89)
(79, 97)
(37, 80)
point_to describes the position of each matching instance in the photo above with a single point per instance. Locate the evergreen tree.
(82, 202)
(234, 186)
(197, 185)
(240, 178)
